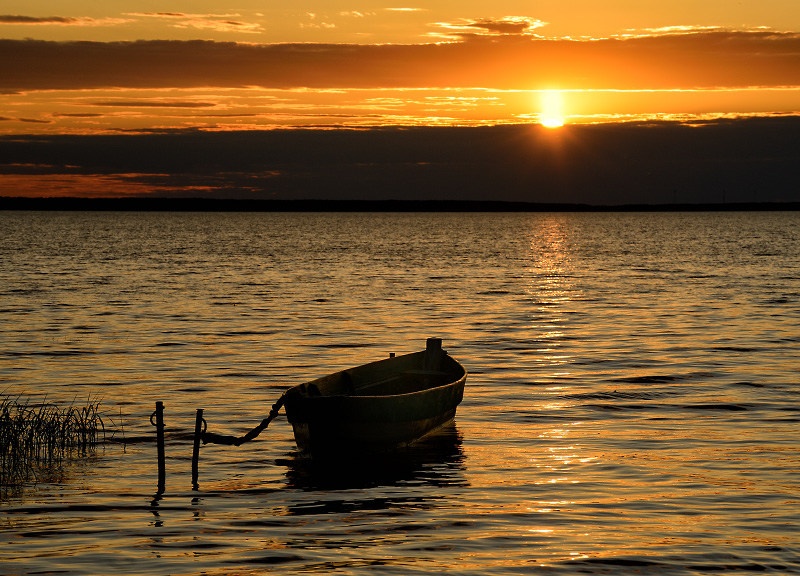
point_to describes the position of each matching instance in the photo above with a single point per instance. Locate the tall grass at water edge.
(36, 438)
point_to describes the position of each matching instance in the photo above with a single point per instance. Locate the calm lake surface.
(633, 403)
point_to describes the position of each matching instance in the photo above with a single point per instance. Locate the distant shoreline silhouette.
(159, 204)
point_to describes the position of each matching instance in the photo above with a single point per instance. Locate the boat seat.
(425, 373)
(376, 383)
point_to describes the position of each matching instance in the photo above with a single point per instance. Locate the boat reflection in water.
(434, 461)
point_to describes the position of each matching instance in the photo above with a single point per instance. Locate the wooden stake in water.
(198, 432)
(159, 424)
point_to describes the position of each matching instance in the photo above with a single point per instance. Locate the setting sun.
(551, 104)
(553, 122)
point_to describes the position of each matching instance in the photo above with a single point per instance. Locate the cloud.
(216, 22)
(502, 61)
(78, 115)
(320, 25)
(665, 30)
(8, 19)
(483, 26)
(61, 20)
(27, 120)
(154, 104)
(182, 15)
(684, 29)
(222, 26)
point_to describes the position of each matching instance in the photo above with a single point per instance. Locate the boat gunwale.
(458, 364)
(451, 383)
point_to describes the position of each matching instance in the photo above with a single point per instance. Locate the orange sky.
(165, 75)
(94, 68)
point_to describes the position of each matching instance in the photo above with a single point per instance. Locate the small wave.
(90, 508)
(24, 291)
(344, 345)
(248, 333)
(728, 407)
(655, 566)
(622, 395)
(734, 349)
(51, 353)
(778, 301)
(269, 559)
(621, 407)
(620, 562)
(647, 379)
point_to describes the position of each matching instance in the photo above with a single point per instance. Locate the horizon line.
(167, 204)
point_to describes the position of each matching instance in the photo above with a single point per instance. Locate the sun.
(552, 122)
(551, 105)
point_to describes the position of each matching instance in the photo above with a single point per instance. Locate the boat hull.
(377, 407)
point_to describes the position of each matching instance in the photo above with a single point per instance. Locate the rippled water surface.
(633, 403)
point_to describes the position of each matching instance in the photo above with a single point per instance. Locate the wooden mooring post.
(159, 424)
(199, 428)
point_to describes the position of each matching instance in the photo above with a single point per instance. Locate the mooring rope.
(213, 438)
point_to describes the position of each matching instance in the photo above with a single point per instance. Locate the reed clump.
(38, 436)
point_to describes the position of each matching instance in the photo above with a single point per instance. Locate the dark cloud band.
(672, 61)
(750, 160)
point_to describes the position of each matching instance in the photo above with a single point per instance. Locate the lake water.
(633, 403)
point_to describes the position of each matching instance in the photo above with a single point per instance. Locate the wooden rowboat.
(379, 406)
